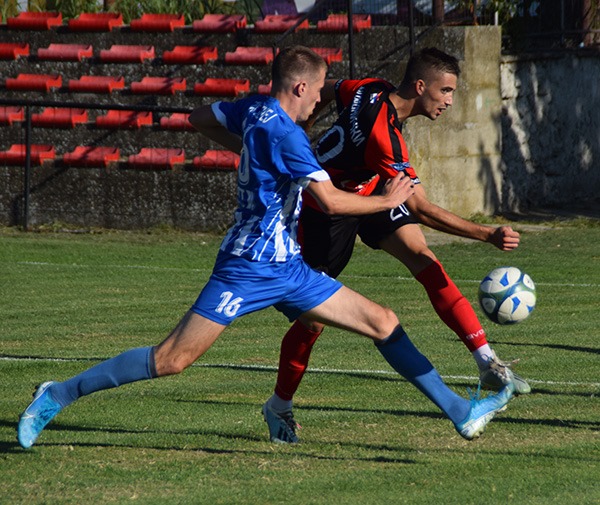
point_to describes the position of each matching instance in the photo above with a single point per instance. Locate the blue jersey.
(276, 163)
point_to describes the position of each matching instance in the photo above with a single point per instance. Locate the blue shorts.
(239, 286)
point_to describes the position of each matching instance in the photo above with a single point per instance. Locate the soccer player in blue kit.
(259, 263)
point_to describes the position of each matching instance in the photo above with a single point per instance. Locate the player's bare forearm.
(433, 216)
(334, 201)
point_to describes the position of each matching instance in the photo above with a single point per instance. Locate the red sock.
(293, 359)
(452, 307)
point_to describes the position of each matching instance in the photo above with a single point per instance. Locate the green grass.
(368, 436)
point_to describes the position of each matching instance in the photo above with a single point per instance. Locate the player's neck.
(288, 104)
(404, 104)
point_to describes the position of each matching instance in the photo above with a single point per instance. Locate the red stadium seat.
(190, 55)
(217, 159)
(90, 156)
(220, 23)
(65, 52)
(52, 117)
(177, 121)
(250, 56)
(34, 82)
(157, 23)
(17, 153)
(124, 119)
(279, 23)
(329, 54)
(8, 115)
(338, 23)
(127, 54)
(96, 84)
(159, 85)
(12, 50)
(96, 22)
(222, 87)
(265, 89)
(34, 21)
(155, 158)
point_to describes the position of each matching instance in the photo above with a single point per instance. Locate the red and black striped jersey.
(365, 144)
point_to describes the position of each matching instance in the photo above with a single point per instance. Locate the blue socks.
(130, 366)
(405, 358)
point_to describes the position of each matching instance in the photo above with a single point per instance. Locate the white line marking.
(311, 370)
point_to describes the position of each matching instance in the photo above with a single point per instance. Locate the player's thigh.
(351, 311)
(190, 339)
(409, 245)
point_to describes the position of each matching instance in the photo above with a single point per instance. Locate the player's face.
(312, 95)
(437, 93)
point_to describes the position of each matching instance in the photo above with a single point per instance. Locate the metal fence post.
(27, 175)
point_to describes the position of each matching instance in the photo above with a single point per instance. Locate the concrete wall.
(551, 131)
(499, 148)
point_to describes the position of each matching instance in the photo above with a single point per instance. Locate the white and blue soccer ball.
(507, 295)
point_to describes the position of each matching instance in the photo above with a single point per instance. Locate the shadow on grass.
(559, 347)
(15, 448)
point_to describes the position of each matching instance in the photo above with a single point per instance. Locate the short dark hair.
(430, 58)
(294, 62)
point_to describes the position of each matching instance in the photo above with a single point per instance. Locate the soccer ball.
(507, 295)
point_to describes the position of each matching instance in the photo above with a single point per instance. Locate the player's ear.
(420, 86)
(299, 88)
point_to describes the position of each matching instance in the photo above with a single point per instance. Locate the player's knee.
(386, 323)
(168, 364)
(392, 318)
(312, 325)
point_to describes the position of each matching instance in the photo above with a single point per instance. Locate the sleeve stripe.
(218, 114)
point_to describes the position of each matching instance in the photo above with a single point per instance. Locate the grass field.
(368, 437)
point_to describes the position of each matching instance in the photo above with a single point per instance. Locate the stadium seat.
(329, 54)
(52, 117)
(17, 153)
(220, 23)
(8, 115)
(190, 55)
(127, 54)
(34, 82)
(12, 50)
(222, 87)
(96, 22)
(65, 52)
(124, 119)
(177, 121)
(217, 159)
(91, 156)
(250, 56)
(159, 85)
(157, 23)
(279, 23)
(155, 158)
(338, 23)
(34, 21)
(96, 84)
(265, 89)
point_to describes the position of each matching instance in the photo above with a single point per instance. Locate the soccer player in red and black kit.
(362, 150)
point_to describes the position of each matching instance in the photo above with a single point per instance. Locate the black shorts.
(328, 241)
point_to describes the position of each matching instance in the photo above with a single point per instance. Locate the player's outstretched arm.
(334, 201)
(204, 120)
(438, 218)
